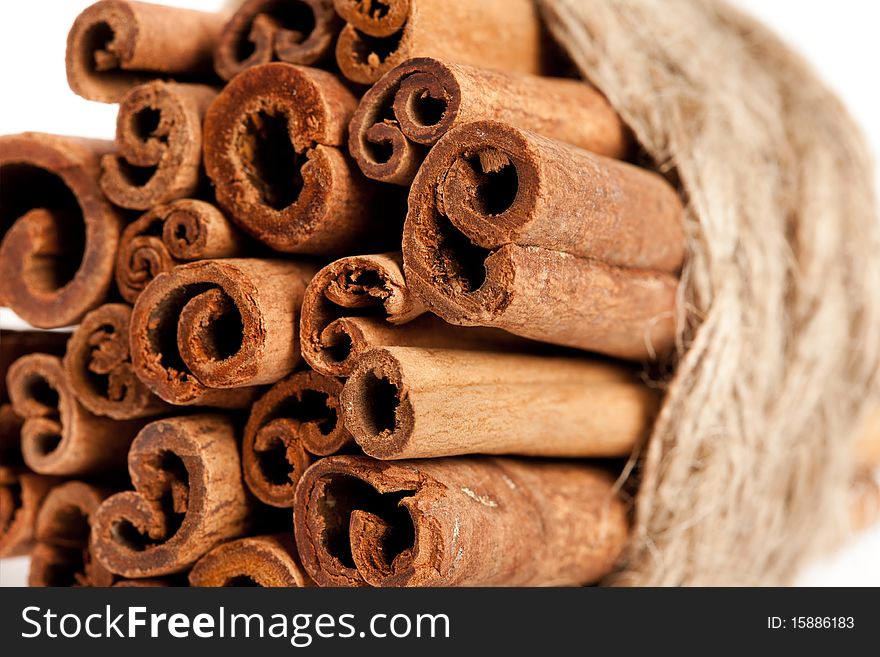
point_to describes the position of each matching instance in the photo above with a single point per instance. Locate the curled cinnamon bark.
(298, 418)
(397, 405)
(292, 31)
(274, 150)
(208, 332)
(21, 494)
(59, 435)
(457, 522)
(358, 302)
(15, 344)
(59, 232)
(188, 498)
(115, 45)
(256, 561)
(158, 144)
(416, 103)
(168, 235)
(98, 366)
(502, 34)
(148, 582)
(499, 234)
(62, 556)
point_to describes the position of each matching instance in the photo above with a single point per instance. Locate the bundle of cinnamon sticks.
(361, 294)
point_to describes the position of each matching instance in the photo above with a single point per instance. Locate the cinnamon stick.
(358, 302)
(158, 144)
(62, 556)
(297, 419)
(15, 344)
(57, 254)
(188, 498)
(209, 332)
(98, 366)
(502, 34)
(499, 234)
(457, 522)
(10, 436)
(397, 405)
(256, 561)
(419, 101)
(168, 235)
(297, 32)
(59, 435)
(21, 494)
(274, 150)
(115, 45)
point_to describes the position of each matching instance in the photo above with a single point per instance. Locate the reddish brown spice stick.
(502, 34)
(10, 436)
(21, 494)
(208, 332)
(261, 31)
(188, 498)
(59, 232)
(98, 366)
(256, 561)
(15, 344)
(115, 45)
(170, 234)
(274, 150)
(59, 436)
(403, 402)
(62, 556)
(416, 103)
(457, 522)
(158, 144)
(298, 418)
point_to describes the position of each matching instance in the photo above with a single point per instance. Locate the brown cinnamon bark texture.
(274, 149)
(59, 435)
(256, 561)
(158, 145)
(21, 494)
(168, 235)
(293, 31)
(62, 556)
(509, 229)
(297, 419)
(416, 103)
(59, 232)
(502, 34)
(465, 522)
(98, 366)
(115, 45)
(359, 302)
(188, 498)
(10, 436)
(15, 344)
(208, 332)
(397, 403)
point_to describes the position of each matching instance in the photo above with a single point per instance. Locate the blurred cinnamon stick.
(255, 561)
(21, 494)
(464, 522)
(115, 45)
(416, 103)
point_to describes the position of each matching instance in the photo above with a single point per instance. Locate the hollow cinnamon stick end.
(267, 561)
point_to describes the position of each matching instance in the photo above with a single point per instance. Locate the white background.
(840, 38)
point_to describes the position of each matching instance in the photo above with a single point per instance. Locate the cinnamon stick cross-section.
(59, 233)
(297, 419)
(98, 366)
(416, 103)
(158, 145)
(208, 332)
(466, 521)
(404, 402)
(115, 45)
(21, 494)
(274, 150)
(261, 31)
(502, 34)
(255, 561)
(513, 230)
(170, 234)
(188, 498)
(62, 556)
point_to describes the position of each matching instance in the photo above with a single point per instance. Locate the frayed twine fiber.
(747, 471)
